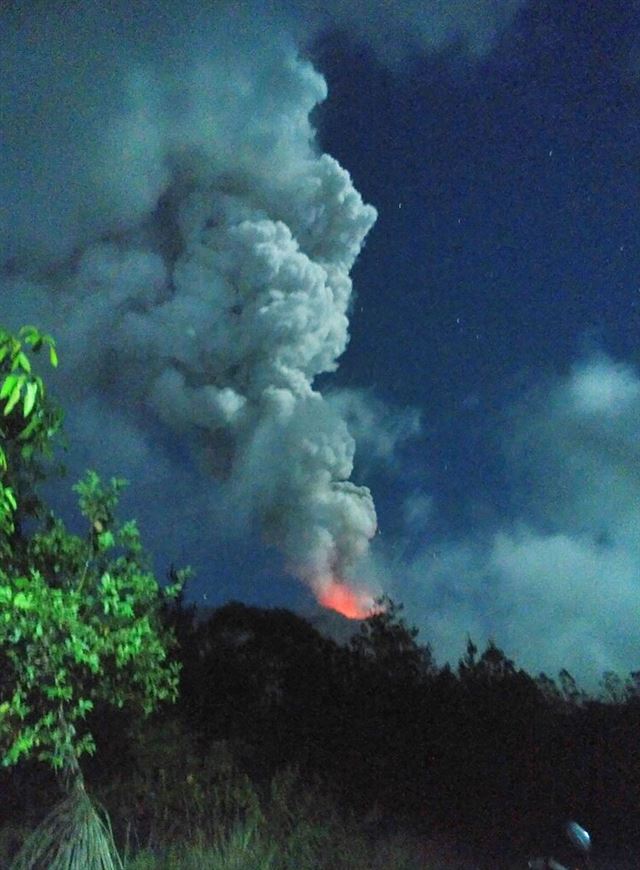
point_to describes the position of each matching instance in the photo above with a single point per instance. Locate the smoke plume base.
(344, 598)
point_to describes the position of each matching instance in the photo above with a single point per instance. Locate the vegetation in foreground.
(285, 749)
(79, 619)
(288, 824)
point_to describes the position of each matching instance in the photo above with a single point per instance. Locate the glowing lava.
(338, 596)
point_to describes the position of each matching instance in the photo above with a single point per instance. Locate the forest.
(484, 755)
(244, 737)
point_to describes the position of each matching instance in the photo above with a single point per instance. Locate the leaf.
(29, 333)
(15, 397)
(23, 360)
(22, 601)
(53, 356)
(105, 540)
(29, 428)
(8, 385)
(30, 398)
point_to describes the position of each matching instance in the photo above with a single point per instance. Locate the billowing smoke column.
(257, 309)
(183, 238)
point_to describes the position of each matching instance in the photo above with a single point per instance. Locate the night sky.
(161, 168)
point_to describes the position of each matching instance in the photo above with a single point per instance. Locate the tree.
(389, 702)
(572, 694)
(80, 618)
(386, 641)
(28, 427)
(493, 666)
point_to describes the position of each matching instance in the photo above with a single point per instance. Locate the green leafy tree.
(80, 617)
(28, 424)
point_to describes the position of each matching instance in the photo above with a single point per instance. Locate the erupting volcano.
(195, 224)
(339, 596)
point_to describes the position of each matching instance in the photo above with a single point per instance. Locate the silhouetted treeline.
(486, 748)
(484, 751)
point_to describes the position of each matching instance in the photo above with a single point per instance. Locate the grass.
(74, 836)
(246, 848)
(212, 817)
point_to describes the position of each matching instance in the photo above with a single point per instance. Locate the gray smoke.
(173, 223)
(167, 215)
(400, 32)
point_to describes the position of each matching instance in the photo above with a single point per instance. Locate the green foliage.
(28, 421)
(80, 627)
(79, 617)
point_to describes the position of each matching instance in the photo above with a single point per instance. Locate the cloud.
(397, 32)
(575, 446)
(107, 102)
(379, 428)
(568, 599)
(602, 388)
(557, 584)
(418, 510)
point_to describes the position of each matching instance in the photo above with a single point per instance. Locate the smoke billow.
(166, 212)
(400, 32)
(168, 216)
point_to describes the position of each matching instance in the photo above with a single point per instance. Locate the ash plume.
(167, 214)
(170, 219)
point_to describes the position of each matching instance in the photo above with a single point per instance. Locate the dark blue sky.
(167, 215)
(507, 243)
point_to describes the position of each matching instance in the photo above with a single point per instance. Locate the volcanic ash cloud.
(255, 315)
(193, 259)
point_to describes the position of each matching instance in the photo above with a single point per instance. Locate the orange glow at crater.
(337, 595)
